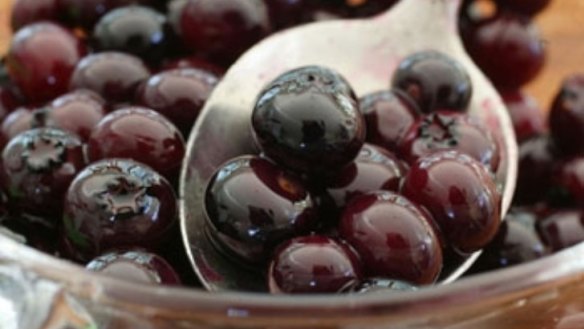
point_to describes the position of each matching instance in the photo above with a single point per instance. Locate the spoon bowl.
(366, 52)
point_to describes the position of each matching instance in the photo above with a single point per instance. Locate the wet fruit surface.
(567, 116)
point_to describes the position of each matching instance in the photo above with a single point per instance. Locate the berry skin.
(140, 134)
(434, 81)
(394, 237)
(16, 122)
(252, 205)
(526, 115)
(567, 116)
(562, 229)
(135, 265)
(527, 7)
(37, 167)
(536, 163)
(461, 196)
(308, 120)
(117, 203)
(25, 12)
(381, 286)
(313, 264)
(43, 75)
(568, 181)
(388, 116)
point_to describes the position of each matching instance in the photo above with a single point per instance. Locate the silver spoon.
(366, 52)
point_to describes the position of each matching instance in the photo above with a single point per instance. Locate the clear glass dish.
(39, 291)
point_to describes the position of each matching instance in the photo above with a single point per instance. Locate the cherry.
(525, 113)
(9, 101)
(527, 7)
(507, 47)
(178, 94)
(313, 264)
(249, 225)
(388, 116)
(135, 265)
(43, 75)
(567, 116)
(516, 242)
(140, 134)
(536, 161)
(78, 112)
(137, 30)
(25, 12)
(434, 81)
(117, 203)
(86, 13)
(191, 62)
(450, 131)
(461, 196)
(393, 236)
(308, 120)
(373, 169)
(113, 75)
(16, 122)
(286, 13)
(221, 30)
(562, 229)
(37, 167)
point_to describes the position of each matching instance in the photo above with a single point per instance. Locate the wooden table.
(562, 25)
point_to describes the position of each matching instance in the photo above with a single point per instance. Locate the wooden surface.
(562, 26)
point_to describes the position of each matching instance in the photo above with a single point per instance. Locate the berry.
(136, 266)
(86, 13)
(527, 7)
(16, 122)
(308, 120)
(222, 30)
(461, 196)
(567, 116)
(178, 94)
(394, 237)
(37, 167)
(140, 134)
(536, 161)
(562, 229)
(113, 75)
(568, 181)
(381, 286)
(450, 131)
(313, 264)
(388, 116)
(9, 101)
(507, 47)
(117, 203)
(286, 13)
(526, 115)
(252, 206)
(43, 75)
(25, 12)
(434, 81)
(194, 63)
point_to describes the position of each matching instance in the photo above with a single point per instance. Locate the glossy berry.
(450, 131)
(382, 286)
(516, 242)
(394, 237)
(562, 229)
(113, 75)
(252, 205)
(140, 134)
(567, 116)
(117, 203)
(507, 47)
(526, 115)
(77, 112)
(222, 30)
(15, 123)
(191, 62)
(461, 196)
(37, 167)
(86, 13)
(388, 116)
(137, 30)
(527, 7)
(43, 75)
(536, 162)
(178, 94)
(9, 101)
(373, 169)
(313, 264)
(434, 81)
(568, 180)
(136, 266)
(308, 120)
(25, 12)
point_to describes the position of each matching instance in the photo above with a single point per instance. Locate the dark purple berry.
(567, 116)
(562, 229)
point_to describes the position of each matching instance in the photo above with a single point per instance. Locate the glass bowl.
(39, 291)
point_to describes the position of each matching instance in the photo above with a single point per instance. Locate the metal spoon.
(366, 52)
